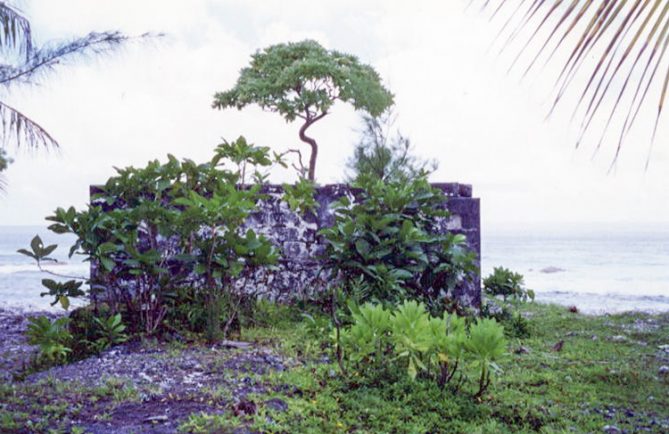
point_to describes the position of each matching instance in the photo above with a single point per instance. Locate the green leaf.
(107, 263)
(362, 246)
(64, 302)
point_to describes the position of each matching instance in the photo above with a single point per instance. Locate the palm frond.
(18, 127)
(614, 50)
(23, 131)
(44, 59)
(15, 33)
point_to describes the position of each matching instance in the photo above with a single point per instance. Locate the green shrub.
(387, 244)
(507, 284)
(409, 339)
(110, 332)
(166, 233)
(52, 337)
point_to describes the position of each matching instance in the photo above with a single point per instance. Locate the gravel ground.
(155, 386)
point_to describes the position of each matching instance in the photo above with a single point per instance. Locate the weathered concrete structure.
(297, 238)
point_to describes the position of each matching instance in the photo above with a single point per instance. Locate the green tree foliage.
(303, 80)
(385, 154)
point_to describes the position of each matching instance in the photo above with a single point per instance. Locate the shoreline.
(591, 304)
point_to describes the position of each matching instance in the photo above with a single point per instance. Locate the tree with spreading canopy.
(303, 80)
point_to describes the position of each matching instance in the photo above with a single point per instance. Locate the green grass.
(605, 374)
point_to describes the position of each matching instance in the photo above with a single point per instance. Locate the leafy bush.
(110, 332)
(509, 286)
(386, 243)
(410, 339)
(52, 337)
(168, 231)
(300, 196)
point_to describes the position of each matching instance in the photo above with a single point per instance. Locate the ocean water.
(20, 279)
(596, 270)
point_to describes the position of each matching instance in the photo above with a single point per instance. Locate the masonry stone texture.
(300, 273)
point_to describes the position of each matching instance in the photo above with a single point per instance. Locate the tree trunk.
(314, 149)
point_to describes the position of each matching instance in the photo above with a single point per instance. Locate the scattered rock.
(156, 419)
(618, 338)
(277, 404)
(549, 270)
(663, 371)
(612, 429)
(245, 407)
(493, 308)
(664, 348)
(522, 350)
(235, 344)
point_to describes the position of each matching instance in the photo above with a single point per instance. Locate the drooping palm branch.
(22, 62)
(627, 39)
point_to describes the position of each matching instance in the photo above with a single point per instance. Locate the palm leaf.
(627, 39)
(15, 34)
(22, 130)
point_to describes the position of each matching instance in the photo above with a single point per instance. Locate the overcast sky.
(454, 100)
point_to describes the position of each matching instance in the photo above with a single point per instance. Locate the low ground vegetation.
(606, 374)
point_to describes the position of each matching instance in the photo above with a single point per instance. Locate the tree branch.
(311, 142)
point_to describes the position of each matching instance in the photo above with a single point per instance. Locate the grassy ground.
(603, 376)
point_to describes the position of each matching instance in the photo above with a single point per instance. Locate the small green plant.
(52, 337)
(367, 339)
(507, 284)
(487, 343)
(300, 196)
(421, 346)
(411, 336)
(110, 332)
